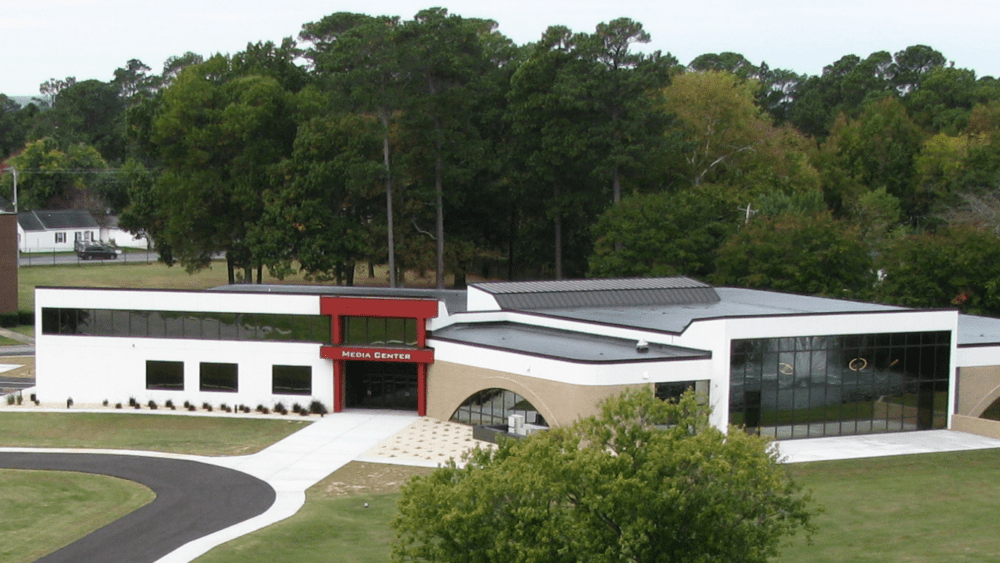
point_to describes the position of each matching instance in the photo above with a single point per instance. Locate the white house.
(59, 231)
(55, 231)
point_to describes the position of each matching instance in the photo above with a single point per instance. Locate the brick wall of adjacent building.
(8, 262)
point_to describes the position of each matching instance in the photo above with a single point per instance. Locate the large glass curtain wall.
(814, 386)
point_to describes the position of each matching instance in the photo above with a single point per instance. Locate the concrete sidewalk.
(6, 333)
(880, 445)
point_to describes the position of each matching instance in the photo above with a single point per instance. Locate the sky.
(89, 39)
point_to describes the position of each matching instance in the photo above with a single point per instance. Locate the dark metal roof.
(734, 303)
(600, 293)
(49, 220)
(561, 344)
(454, 299)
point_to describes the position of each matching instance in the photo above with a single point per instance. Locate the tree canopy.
(644, 481)
(433, 143)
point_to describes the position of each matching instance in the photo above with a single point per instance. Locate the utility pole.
(18, 251)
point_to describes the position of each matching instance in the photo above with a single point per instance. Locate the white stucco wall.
(91, 369)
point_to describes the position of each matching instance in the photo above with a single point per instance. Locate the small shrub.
(264, 410)
(317, 407)
(20, 399)
(187, 405)
(170, 405)
(10, 399)
(151, 404)
(69, 402)
(279, 408)
(260, 408)
(206, 406)
(191, 407)
(105, 403)
(296, 407)
(118, 405)
(132, 402)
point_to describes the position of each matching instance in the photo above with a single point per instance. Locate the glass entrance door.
(380, 385)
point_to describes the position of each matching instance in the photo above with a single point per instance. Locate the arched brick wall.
(449, 385)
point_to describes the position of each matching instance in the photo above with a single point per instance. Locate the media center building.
(785, 366)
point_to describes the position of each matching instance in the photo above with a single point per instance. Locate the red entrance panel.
(337, 307)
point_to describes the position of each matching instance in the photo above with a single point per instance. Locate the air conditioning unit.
(515, 424)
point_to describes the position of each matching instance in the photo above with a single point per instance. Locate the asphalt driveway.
(192, 500)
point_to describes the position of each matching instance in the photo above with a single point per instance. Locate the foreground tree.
(645, 480)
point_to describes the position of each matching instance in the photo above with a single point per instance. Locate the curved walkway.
(192, 500)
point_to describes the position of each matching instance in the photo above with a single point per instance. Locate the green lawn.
(42, 511)
(912, 509)
(212, 436)
(915, 509)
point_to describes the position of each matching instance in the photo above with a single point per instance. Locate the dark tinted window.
(291, 380)
(164, 375)
(219, 377)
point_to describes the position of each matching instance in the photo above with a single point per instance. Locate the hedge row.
(19, 318)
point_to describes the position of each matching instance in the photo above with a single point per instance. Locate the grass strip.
(196, 435)
(42, 511)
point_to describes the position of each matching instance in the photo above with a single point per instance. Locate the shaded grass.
(196, 435)
(42, 511)
(914, 509)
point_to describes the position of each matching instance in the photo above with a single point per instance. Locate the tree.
(912, 64)
(445, 62)
(619, 85)
(13, 126)
(878, 149)
(664, 234)
(133, 81)
(359, 57)
(219, 133)
(53, 178)
(957, 267)
(730, 140)
(643, 481)
(93, 113)
(809, 254)
(552, 149)
(331, 185)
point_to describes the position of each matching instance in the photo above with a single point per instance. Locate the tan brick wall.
(8, 262)
(978, 388)
(980, 426)
(449, 385)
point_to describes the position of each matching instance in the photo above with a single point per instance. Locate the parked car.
(96, 251)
